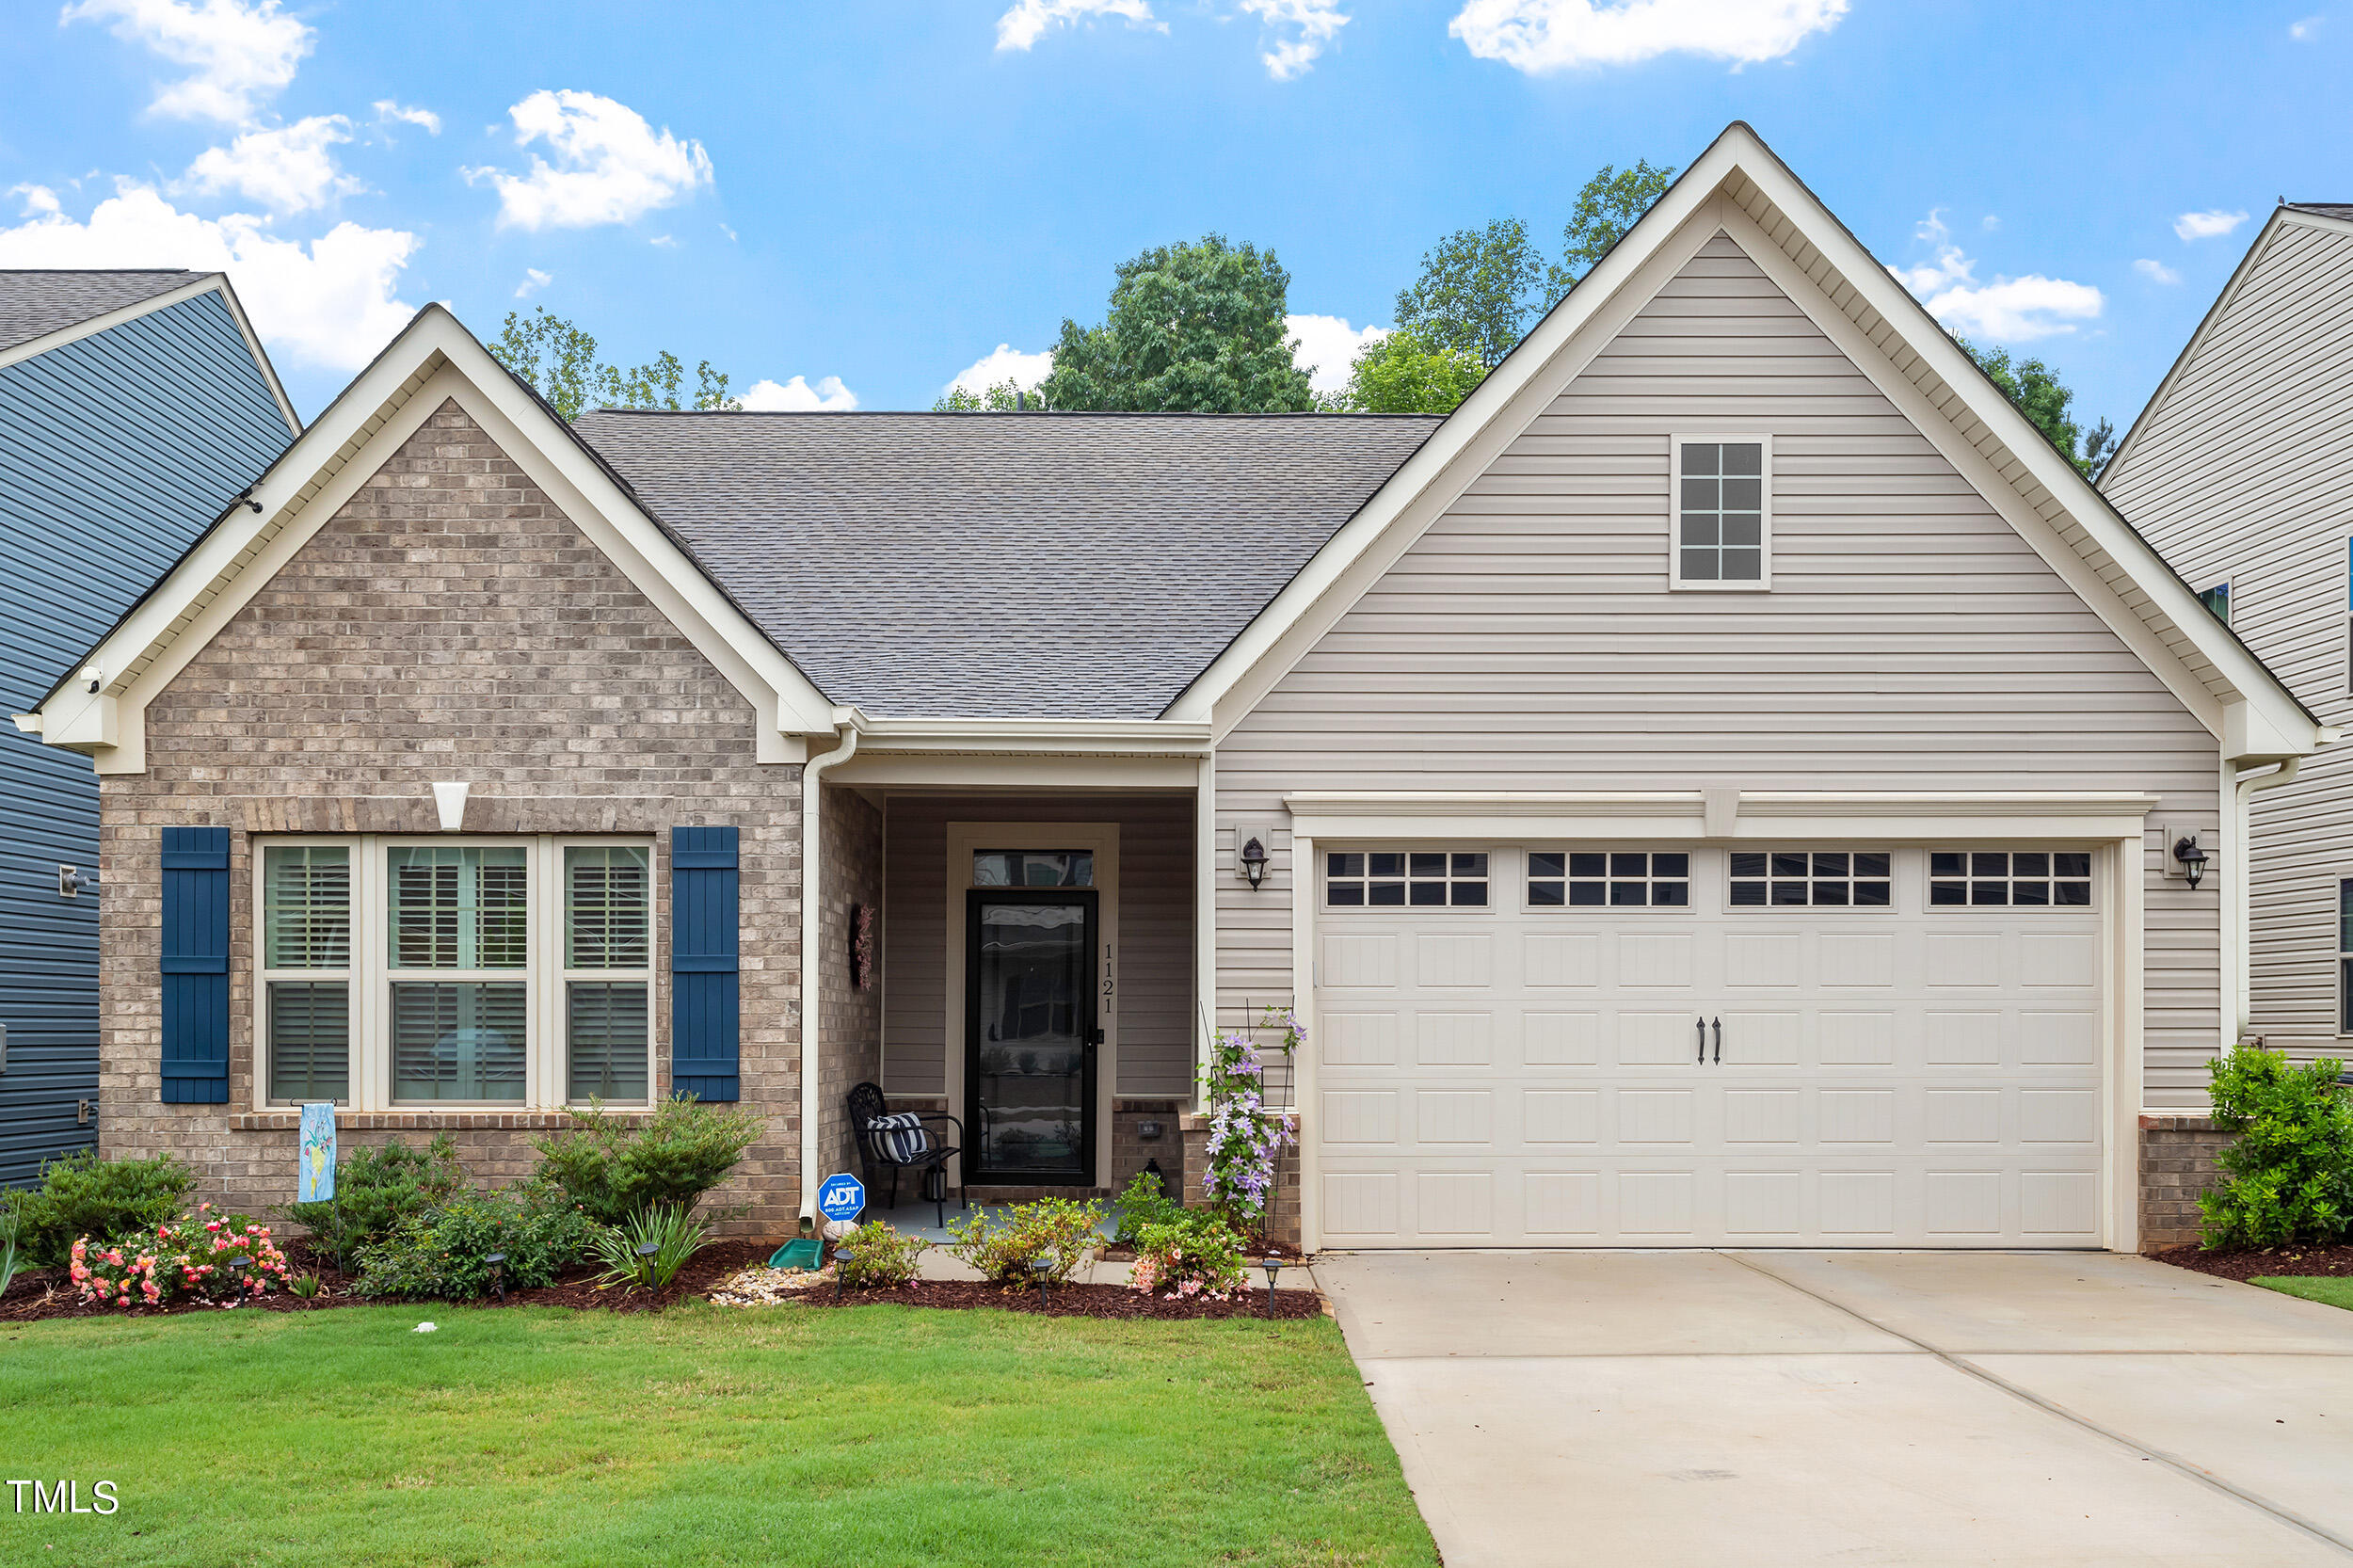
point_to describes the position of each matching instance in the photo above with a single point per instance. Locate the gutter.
(2241, 877)
(812, 933)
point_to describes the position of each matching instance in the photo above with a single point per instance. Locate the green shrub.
(1056, 1229)
(103, 1199)
(444, 1252)
(1142, 1205)
(2289, 1176)
(378, 1188)
(670, 1232)
(616, 1172)
(874, 1256)
(1197, 1254)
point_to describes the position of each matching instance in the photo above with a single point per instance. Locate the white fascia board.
(210, 282)
(1033, 737)
(1613, 292)
(434, 359)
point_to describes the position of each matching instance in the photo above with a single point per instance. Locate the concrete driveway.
(1739, 1409)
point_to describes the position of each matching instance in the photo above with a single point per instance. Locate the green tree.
(1407, 374)
(1609, 204)
(1007, 397)
(1192, 328)
(1480, 288)
(1477, 287)
(559, 361)
(2038, 394)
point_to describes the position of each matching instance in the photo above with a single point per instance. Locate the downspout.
(2239, 871)
(812, 965)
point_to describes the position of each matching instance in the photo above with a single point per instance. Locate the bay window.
(456, 973)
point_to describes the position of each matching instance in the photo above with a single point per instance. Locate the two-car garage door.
(1701, 1048)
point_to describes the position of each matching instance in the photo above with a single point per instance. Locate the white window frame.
(1323, 878)
(1811, 879)
(1676, 440)
(546, 1081)
(263, 975)
(1649, 879)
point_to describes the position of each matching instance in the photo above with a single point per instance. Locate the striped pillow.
(900, 1138)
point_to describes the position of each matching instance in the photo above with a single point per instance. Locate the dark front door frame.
(1088, 1023)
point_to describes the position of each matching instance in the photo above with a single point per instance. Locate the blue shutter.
(704, 1009)
(196, 965)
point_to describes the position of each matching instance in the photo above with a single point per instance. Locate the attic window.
(2217, 599)
(1723, 512)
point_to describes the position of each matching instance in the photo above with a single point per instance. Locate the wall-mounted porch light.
(1254, 860)
(2190, 858)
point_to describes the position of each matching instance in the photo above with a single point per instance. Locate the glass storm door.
(1029, 1037)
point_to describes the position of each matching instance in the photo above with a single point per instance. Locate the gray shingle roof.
(1003, 566)
(2326, 209)
(34, 304)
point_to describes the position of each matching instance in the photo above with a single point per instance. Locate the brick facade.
(2176, 1164)
(1282, 1214)
(851, 867)
(447, 623)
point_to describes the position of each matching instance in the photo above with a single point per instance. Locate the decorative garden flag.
(315, 1175)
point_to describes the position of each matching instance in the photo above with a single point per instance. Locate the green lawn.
(2328, 1290)
(870, 1436)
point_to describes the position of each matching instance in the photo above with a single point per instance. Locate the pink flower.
(212, 1225)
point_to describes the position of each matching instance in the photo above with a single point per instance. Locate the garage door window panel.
(1818, 879)
(1405, 878)
(2009, 879)
(1612, 879)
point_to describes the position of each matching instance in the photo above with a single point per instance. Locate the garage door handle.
(1719, 1039)
(1700, 1024)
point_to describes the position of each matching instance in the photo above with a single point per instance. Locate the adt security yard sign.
(841, 1198)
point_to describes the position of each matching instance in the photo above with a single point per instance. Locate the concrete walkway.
(1747, 1410)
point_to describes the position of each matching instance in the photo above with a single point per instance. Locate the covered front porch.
(1019, 954)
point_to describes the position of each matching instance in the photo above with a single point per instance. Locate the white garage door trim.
(2114, 823)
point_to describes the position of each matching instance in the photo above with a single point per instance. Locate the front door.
(1030, 1036)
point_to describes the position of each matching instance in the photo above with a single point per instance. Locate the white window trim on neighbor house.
(1676, 442)
(371, 973)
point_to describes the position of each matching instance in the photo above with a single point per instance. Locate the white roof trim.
(1029, 737)
(434, 359)
(1739, 184)
(2257, 248)
(208, 283)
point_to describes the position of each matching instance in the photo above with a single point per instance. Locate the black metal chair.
(904, 1147)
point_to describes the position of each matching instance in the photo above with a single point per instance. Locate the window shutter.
(196, 965)
(704, 1008)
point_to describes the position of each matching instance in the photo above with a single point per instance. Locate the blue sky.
(873, 197)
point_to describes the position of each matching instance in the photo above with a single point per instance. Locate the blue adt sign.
(842, 1197)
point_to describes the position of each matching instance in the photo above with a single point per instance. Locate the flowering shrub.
(1198, 1254)
(1064, 1233)
(1245, 1137)
(210, 1256)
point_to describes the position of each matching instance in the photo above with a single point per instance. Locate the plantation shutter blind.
(704, 997)
(608, 927)
(195, 965)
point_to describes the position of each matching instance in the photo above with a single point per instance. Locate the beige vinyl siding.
(1911, 640)
(1155, 942)
(2245, 471)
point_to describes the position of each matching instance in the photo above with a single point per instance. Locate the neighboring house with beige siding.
(2240, 471)
(1713, 786)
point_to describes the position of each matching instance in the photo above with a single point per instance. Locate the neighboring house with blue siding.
(135, 407)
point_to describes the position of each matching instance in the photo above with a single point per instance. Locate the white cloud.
(2305, 28)
(796, 396)
(1003, 365)
(1029, 20)
(236, 54)
(2156, 272)
(610, 166)
(289, 169)
(664, 242)
(533, 280)
(329, 303)
(2206, 225)
(388, 112)
(2008, 310)
(1327, 347)
(1309, 23)
(1993, 221)
(1554, 35)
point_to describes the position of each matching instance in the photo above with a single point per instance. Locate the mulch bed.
(1072, 1300)
(2246, 1263)
(43, 1293)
